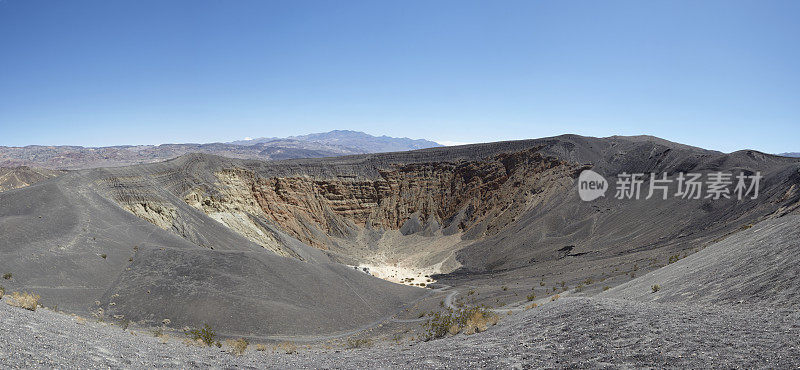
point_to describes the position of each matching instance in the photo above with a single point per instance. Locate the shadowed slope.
(69, 240)
(568, 239)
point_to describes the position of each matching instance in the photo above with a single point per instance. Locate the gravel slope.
(571, 332)
(601, 331)
(756, 266)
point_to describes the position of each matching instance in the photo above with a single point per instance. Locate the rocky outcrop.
(475, 197)
(161, 215)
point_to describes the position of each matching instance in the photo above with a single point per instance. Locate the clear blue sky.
(723, 75)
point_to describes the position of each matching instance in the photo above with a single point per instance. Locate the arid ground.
(350, 261)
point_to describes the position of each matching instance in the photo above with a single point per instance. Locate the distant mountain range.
(328, 144)
(353, 141)
(793, 154)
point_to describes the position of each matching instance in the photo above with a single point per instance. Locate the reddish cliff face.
(477, 197)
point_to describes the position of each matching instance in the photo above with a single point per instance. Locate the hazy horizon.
(444, 143)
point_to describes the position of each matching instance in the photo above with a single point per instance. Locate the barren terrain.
(311, 251)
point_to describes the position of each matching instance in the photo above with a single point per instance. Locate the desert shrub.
(655, 288)
(8, 275)
(588, 281)
(397, 337)
(606, 288)
(261, 347)
(541, 283)
(471, 292)
(28, 301)
(2, 291)
(438, 325)
(238, 346)
(505, 288)
(353, 343)
(287, 347)
(157, 332)
(479, 321)
(675, 258)
(450, 321)
(579, 288)
(99, 314)
(554, 298)
(103, 256)
(531, 305)
(206, 334)
(531, 297)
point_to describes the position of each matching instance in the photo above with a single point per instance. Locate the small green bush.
(531, 297)
(656, 288)
(206, 334)
(450, 321)
(7, 275)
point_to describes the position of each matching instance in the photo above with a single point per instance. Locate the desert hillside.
(315, 250)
